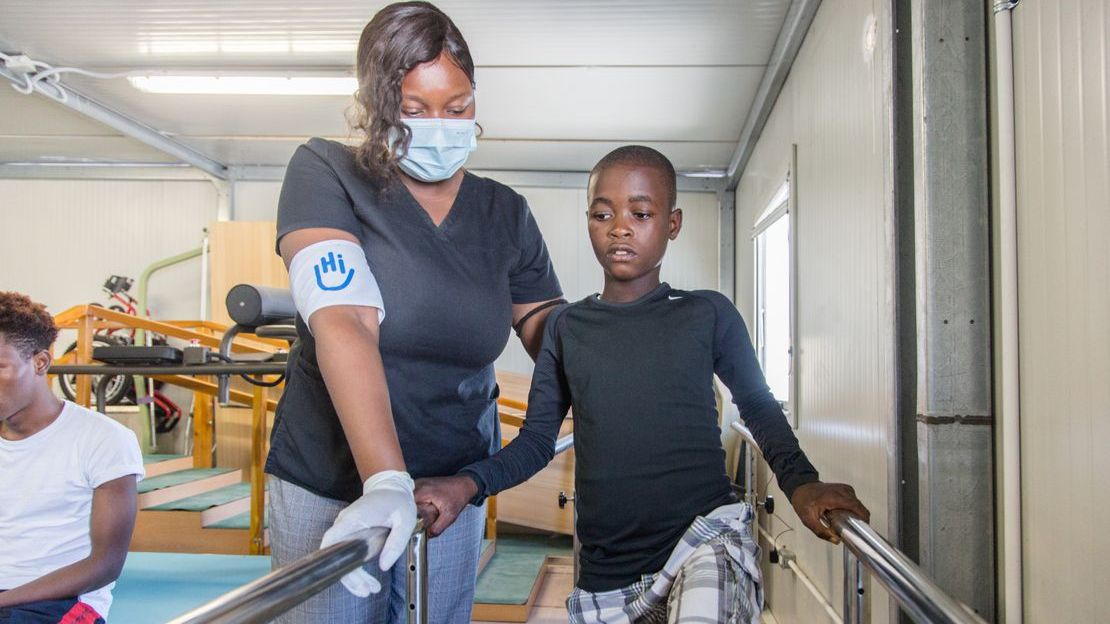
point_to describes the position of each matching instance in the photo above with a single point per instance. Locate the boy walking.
(662, 536)
(67, 478)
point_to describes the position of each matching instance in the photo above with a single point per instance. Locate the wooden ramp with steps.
(157, 465)
(511, 585)
(192, 510)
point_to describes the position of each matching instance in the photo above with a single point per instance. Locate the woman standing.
(407, 272)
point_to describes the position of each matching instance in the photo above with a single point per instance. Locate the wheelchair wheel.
(118, 388)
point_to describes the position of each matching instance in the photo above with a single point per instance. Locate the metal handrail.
(264, 599)
(921, 598)
(564, 443)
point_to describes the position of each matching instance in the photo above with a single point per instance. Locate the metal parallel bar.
(282, 589)
(746, 434)
(252, 368)
(922, 599)
(277, 592)
(564, 443)
(918, 595)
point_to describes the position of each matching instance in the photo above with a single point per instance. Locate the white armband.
(332, 273)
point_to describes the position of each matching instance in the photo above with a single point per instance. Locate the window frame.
(781, 204)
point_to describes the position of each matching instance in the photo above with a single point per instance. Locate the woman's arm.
(529, 320)
(347, 351)
(351, 365)
(113, 518)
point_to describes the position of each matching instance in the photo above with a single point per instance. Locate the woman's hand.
(386, 501)
(448, 495)
(812, 501)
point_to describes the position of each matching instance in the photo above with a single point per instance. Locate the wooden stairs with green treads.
(509, 586)
(192, 510)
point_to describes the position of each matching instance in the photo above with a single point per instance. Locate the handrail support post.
(860, 592)
(417, 584)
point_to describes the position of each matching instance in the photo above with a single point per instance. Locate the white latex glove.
(386, 501)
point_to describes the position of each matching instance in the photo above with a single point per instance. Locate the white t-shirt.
(46, 489)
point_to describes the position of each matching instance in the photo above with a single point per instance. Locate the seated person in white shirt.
(67, 481)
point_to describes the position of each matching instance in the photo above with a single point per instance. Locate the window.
(774, 298)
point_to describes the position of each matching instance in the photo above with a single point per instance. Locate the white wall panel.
(60, 239)
(691, 260)
(1062, 74)
(256, 201)
(835, 108)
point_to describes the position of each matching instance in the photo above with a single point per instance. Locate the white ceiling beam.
(124, 124)
(100, 171)
(275, 173)
(793, 33)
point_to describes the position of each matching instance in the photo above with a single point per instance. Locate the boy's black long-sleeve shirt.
(646, 440)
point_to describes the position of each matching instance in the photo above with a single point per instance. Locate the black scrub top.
(448, 292)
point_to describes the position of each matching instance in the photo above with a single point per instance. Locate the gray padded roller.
(253, 306)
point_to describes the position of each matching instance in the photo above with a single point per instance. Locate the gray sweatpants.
(298, 520)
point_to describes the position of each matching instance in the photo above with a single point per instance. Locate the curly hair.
(398, 38)
(25, 325)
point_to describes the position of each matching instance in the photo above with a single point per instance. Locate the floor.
(150, 589)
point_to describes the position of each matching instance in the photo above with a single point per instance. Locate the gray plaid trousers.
(712, 575)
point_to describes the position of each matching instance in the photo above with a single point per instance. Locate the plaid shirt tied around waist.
(735, 597)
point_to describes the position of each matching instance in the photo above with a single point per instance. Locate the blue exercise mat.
(157, 587)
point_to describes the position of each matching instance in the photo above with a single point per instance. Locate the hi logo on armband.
(332, 264)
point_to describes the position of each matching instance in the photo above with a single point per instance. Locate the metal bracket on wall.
(1008, 5)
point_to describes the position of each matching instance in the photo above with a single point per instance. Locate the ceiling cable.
(37, 73)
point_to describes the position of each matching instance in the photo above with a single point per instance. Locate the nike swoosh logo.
(673, 298)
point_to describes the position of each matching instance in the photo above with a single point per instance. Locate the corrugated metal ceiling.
(559, 82)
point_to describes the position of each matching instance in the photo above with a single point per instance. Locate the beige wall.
(561, 214)
(60, 239)
(1062, 71)
(834, 107)
(691, 260)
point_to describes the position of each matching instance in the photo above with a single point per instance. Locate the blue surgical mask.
(439, 147)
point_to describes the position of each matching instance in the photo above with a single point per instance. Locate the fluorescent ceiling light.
(245, 85)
